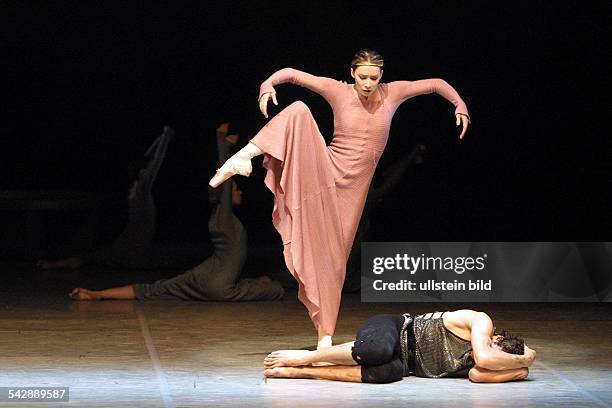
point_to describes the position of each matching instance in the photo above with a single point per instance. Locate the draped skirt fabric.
(307, 210)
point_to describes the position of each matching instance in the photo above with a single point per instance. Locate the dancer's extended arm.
(321, 85)
(400, 91)
(482, 375)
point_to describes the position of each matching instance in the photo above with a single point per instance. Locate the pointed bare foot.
(287, 358)
(84, 294)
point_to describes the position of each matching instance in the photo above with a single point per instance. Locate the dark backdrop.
(88, 85)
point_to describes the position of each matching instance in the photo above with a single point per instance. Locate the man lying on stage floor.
(462, 343)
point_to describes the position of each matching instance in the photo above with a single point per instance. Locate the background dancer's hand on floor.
(84, 294)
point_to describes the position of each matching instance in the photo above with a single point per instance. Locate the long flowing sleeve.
(325, 87)
(400, 91)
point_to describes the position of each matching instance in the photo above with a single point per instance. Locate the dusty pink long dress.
(320, 190)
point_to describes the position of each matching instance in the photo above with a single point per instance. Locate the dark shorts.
(377, 349)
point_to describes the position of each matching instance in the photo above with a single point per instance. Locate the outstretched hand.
(464, 120)
(263, 102)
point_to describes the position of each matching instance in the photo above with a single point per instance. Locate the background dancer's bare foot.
(84, 294)
(287, 358)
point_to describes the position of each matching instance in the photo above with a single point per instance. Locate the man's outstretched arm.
(482, 375)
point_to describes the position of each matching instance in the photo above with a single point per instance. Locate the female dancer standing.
(320, 190)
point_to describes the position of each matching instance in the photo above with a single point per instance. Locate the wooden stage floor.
(195, 354)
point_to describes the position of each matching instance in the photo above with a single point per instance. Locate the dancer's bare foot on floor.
(287, 358)
(84, 294)
(284, 372)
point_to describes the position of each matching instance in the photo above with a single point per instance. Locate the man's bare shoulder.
(460, 322)
(463, 314)
(462, 319)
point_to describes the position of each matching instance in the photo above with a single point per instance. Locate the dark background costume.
(218, 277)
